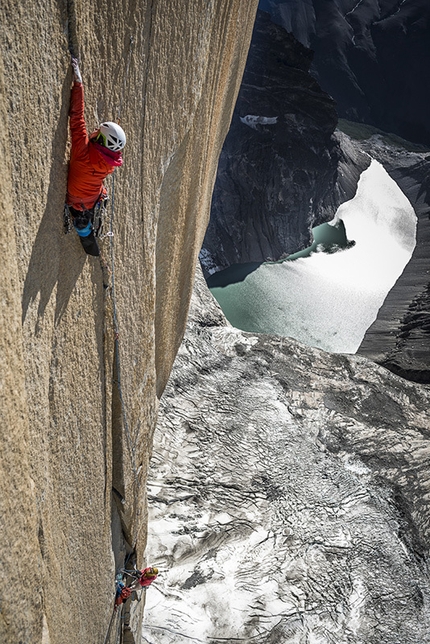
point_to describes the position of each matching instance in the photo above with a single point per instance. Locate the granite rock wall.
(78, 418)
(278, 167)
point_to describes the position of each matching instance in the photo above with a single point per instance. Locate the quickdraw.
(100, 210)
(67, 220)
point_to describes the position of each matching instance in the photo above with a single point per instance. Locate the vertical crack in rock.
(72, 33)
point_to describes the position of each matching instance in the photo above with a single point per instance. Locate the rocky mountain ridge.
(399, 338)
(371, 57)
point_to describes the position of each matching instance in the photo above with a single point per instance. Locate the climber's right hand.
(76, 71)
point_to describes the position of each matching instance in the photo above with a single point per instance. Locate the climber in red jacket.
(147, 576)
(145, 579)
(92, 159)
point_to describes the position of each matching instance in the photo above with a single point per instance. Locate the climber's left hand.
(76, 71)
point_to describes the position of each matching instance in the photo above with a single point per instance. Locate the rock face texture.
(371, 57)
(77, 415)
(288, 494)
(277, 171)
(20, 549)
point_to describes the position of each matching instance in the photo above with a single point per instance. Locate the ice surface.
(264, 535)
(330, 300)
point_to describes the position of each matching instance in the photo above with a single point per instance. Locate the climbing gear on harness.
(67, 220)
(113, 136)
(87, 223)
(122, 593)
(99, 213)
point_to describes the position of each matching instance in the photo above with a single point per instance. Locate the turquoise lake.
(324, 298)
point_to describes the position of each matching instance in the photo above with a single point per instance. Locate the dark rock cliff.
(281, 174)
(372, 57)
(277, 171)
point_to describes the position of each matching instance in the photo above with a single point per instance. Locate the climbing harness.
(95, 217)
(123, 592)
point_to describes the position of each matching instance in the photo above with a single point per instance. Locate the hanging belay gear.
(99, 214)
(123, 592)
(140, 580)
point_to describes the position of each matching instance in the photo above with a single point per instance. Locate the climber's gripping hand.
(76, 71)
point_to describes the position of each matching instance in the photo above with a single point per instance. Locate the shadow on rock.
(55, 257)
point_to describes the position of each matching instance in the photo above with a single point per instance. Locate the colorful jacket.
(90, 163)
(146, 578)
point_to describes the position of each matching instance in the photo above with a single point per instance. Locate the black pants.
(81, 219)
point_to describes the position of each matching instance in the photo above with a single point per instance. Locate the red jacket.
(90, 163)
(146, 578)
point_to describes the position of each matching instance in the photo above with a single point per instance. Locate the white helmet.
(113, 136)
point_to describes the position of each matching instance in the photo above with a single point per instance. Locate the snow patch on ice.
(254, 121)
(228, 339)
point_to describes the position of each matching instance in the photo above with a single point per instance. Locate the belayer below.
(92, 159)
(147, 576)
(144, 580)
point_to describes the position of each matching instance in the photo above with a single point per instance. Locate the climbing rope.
(118, 382)
(114, 614)
(120, 586)
(117, 356)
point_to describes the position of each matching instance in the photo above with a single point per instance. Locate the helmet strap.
(101, 139)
